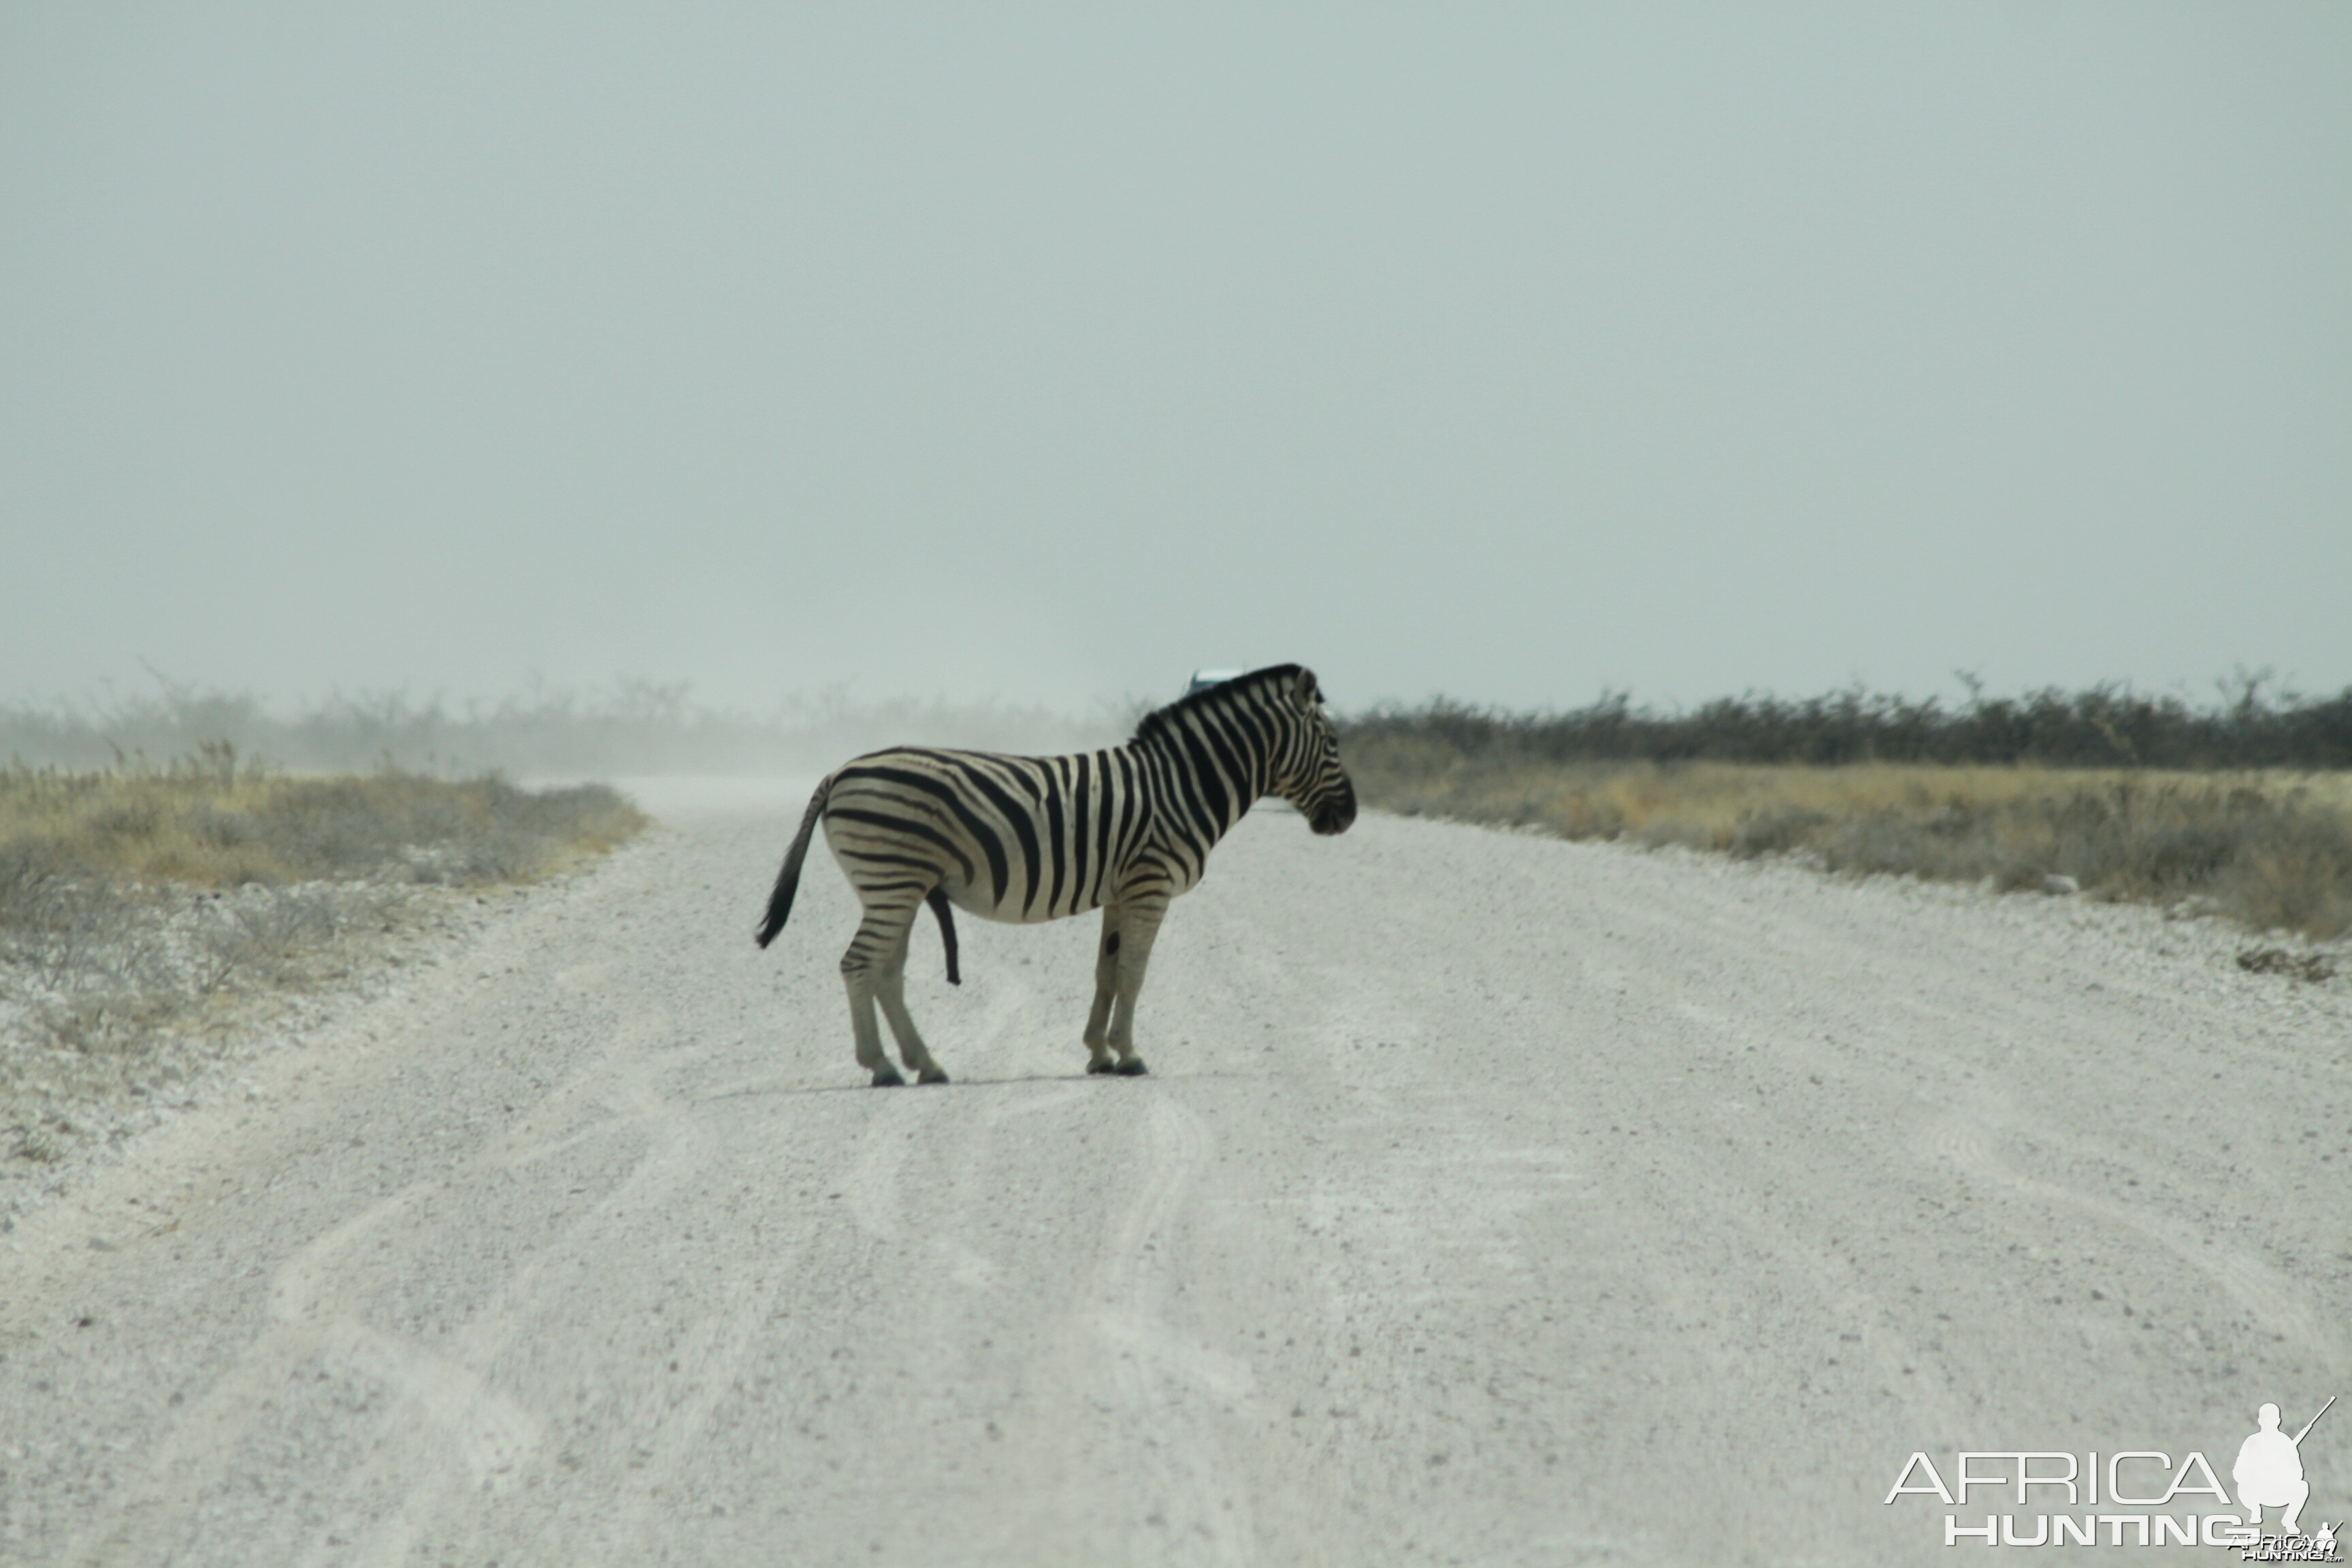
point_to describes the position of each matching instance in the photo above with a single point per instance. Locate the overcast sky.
(1045, 353)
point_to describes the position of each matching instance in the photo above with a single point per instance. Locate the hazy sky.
(1045, 353)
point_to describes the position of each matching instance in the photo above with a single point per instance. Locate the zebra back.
(1027, 838)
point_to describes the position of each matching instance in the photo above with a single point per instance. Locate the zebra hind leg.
(890, 990)
(882, 931)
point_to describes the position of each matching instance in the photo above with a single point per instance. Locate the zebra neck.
(1215, 779)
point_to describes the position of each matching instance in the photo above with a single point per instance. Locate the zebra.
(1038, 838)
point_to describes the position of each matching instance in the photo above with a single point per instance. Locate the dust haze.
(1035, 356)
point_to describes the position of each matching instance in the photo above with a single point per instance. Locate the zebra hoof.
(887, 1078)
(1131, 1067)
(1101, 1065)
(932, 1074)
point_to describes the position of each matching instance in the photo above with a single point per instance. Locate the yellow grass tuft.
(2272, 848)
(208, 821)
(110, 971)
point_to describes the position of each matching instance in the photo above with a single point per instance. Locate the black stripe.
(1104, 813)
(865, 858)
(1255, 735)
(1180, 834)
(1079, 824)
(1209, 807)
(990, 845)
(1053, 784)
(1024, 772)
(902, 824)
(1023, 828)
(1130, 802)
(1148, 869)
(1228, 812)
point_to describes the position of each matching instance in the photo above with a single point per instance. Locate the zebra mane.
(1157, 721)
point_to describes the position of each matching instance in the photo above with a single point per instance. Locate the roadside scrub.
(2270, 849)
(147, 912)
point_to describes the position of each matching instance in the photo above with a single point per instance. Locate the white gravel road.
(1493, 1200)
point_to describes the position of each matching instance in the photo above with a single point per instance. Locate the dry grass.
(2273, 850)
(209, 822)
(143, 911)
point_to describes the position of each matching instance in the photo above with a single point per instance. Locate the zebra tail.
(787, 880)
(938, 898)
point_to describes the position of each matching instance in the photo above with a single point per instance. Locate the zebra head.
(1307, 771)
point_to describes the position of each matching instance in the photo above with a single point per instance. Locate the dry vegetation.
(144, 911)
(2271, 850)
(2104, 727)
(207, 821)
(2243, 808)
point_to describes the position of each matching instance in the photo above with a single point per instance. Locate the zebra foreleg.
(890, 990)
(1098, 1034)
(881, 934)
(1138, 927)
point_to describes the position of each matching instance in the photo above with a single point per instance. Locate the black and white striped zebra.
(1123, 830)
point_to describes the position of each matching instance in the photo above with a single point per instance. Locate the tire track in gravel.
(1171, 1382)
(2278, 1302)
(443, 1409)
(1494, 1200)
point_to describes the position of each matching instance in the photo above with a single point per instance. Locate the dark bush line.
(2105, 727)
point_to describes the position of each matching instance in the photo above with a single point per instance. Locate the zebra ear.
(1304, 693)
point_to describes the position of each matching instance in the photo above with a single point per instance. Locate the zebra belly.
(979, 900)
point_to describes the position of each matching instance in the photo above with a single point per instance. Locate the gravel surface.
(169, 996)
(1494, 1200)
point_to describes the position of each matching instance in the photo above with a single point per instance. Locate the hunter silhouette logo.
(2144, 1487)
(2269, 1471)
